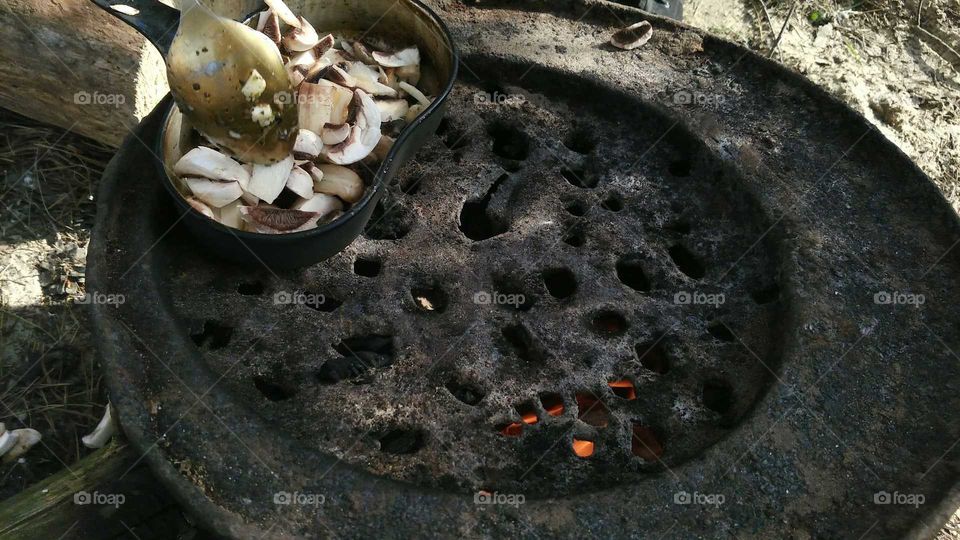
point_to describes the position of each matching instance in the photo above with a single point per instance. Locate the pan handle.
(156, 21)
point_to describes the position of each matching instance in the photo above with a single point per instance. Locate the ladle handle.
(157, 22)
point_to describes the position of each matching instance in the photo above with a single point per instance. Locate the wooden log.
(70, 64)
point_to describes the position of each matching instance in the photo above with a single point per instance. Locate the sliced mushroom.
(413, 112)
(392, 109)
(415, 93)
(307, 144)
(8, 440)
(296, 76)
(326, 59)
(320, 203)
(367, 79)
(410, 74)
(304, 59)
(300, 182)
(26, 438)
(340, 100)
(301, 38)
(362, 53)
(315, 106)
(340, 181)
(209, 163)
(271, 27)
(632, 36)
(364, 135)
(262, 19)
(103, 432)
(404, 57)
(278, 220)
(325, 44)
(230, 214)
(199, 206)
(281, 9)
(334, 133)
(215, 193)
(268, 181)
(383, 147)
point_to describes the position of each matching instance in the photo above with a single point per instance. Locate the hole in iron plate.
(560, 282)
(508, 141)
(250, 288)
(321, 302)
(475, 223)
(272, 389)
(608, 323)
(521, 341)
(580, 141)
(613, 203)
(402, 441)
(358, 355)
(367, 267)
(717, 396)
(653, 356)
(576, 208)
(721, 332)
(511, 294)
(552, 403)
(577, 177)
(575, 236)
(678, 226)
(392, 224)
(512, 429)
(630, 272)
(766, 295)
(528, 413)
(687, 262)
(465, 392)
(623, 388)
(411, 185)
(214, 336)
(680, 167)
(645, 444)
(591, 410)
(429, 298)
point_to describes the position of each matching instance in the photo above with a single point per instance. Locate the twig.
(784, 27)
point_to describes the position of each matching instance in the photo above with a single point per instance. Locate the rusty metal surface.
(624, 195)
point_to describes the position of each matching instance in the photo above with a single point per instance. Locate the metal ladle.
(209, 60)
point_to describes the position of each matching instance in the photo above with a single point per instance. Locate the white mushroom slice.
(26, 438)
(281, 9)
(316, 173)
(367, 79)
(326, 59)
(301, 38)
(308, 144)
(364, 135)
(315, 104)
(392, 109)
(250, 198)
(342, 98)
(320, 203)
(334, 133)
(404, 57)
(336, 74)
(325, 44)
(103, 432)
(300, 182)
(271, 27)
(296, 76)
(209, 163)
(411, 74)
(632, 36)
(303, 59)
(254, 87)
(262, 19)
(268, 180)
(215, 193)
(278, 220)
(230, 214)
(340, 181)
(383, 147)
(201, 207)
(8, 440)
(413, 112)
(415, 93)
(362, 53)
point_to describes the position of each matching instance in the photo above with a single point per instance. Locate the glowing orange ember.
(556, 409)
(582, 448)
(529, 417)
(513, 429)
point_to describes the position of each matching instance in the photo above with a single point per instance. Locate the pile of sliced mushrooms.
(354, 97)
